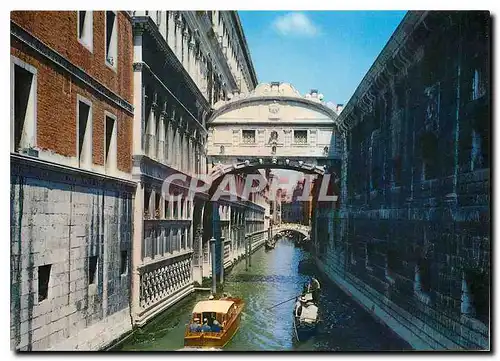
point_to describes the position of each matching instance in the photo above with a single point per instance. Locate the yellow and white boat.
(226, 311)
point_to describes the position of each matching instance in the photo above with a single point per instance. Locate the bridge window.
(300, 136)
(248, 136)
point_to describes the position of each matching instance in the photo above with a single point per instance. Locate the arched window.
(222, 150)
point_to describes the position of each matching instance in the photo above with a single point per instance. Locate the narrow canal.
(273, 278)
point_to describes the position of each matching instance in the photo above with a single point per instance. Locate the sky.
(326, 50)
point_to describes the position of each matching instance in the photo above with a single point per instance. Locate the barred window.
(248, 136)
(300, 136)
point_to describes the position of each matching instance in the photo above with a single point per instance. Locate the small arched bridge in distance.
(297, 228)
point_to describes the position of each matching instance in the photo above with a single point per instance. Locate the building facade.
(412, 241)
(71, 184)
(184, 62)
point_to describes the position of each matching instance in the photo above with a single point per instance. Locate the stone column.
(161, 135)
(166, 153)
(150, 136)
(138, 93)
(191, 58)
(138, 236)
(171, 29)
(178, 37)
(198, 254)
(214, 276)
(181, 150)
(222, 241)
(185, 50)
(197, 69)
(178, 146)
(185, 151)
(179, 202)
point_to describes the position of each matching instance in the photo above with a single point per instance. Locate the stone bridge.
(292, 227)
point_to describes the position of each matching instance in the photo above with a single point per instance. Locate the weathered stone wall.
(415, 239)
(61, 217)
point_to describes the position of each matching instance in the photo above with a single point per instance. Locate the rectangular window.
(248, 136)
(157, 206)
(175, 210)
(300, 136)
(123, 263)
(43, 281)
(24, 107)
(85, 26)
(84, 113)
(147, 200)
(111, 39)
(92, 270)
(110, 143)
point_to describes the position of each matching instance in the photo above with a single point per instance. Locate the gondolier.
(315, 288)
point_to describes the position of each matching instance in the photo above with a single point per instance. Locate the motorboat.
(214, 322)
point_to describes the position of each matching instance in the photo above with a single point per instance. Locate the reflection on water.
(274, 278)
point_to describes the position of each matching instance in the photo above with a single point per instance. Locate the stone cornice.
(233, 105)
(31, 167)
(60, 61)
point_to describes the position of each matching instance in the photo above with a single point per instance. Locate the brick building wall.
(57, 89)
(70, 224)
(414, 240)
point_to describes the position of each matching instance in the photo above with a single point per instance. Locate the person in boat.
(315, 289)
(216, 327)
(211, 297)
(306, 288)
(206, 327)
(195, 326)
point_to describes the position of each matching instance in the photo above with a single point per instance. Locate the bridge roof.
(275, 96)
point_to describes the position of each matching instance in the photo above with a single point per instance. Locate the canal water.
(272, 278)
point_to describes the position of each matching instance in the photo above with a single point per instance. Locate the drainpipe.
(214, 274)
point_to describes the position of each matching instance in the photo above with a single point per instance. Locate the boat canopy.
(217, 306)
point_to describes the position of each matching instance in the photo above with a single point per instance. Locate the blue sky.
(326, 50)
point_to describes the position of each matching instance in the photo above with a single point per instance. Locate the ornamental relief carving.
(274, 111)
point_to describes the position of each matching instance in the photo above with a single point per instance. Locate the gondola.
(305, 317)
(269, 246)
